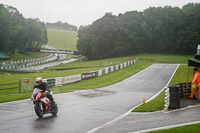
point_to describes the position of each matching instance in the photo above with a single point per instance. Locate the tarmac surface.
(85, 110)
(40, 67)
(61, 58)
(144, 122)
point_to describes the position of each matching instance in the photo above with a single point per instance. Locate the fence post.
(19, 86)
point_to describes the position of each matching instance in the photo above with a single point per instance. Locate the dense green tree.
(96, 41)
(188, 35)
(168, 30)
(60, 25)
(18, 33)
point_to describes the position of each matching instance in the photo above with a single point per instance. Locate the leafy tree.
(18, 33)
(60, 25)
(169, 30)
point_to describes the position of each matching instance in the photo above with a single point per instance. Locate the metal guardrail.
(27, 63)
(7, 86)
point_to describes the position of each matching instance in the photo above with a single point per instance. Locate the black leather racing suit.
(44, 87)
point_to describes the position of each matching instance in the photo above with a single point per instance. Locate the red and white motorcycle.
(42, 104)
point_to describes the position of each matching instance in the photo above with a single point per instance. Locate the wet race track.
(82, 111)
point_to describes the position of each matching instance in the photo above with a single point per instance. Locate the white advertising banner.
(71, 79)
(59, 81)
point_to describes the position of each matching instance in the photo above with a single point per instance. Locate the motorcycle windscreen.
(35, 91)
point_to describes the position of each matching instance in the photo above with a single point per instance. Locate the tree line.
(60, 25)
(18, 33)
(167, 30)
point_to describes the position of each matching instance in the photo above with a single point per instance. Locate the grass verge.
(154, 105)
(184, 129)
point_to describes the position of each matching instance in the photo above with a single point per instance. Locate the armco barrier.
(24, 63)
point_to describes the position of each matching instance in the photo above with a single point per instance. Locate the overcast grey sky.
(84, 12)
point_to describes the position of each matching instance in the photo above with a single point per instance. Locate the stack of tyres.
(174, 99)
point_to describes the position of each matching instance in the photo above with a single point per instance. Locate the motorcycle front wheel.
(38, 109)
(54, 109)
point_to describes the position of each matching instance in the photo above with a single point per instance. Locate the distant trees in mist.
(18, 33)
(167, 30)
(60, 25)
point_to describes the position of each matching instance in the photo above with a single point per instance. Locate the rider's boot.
(52, 103)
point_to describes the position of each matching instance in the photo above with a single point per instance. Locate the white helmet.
(38, 80)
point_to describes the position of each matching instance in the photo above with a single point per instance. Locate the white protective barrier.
(44, 80)
(111, 68)
(116, 67)
(71, 79)
(106, 70)
(121, 66)
(59, 81)
(131, 62)
(134, 61)
(125, 64)
(166, 98)
(100, 73)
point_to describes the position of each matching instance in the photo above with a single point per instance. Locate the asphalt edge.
(127, 113)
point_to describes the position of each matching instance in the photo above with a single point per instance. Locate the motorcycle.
(42, 104)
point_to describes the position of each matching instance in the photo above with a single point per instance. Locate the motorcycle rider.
(44, 87)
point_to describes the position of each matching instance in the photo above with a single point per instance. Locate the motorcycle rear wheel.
(38, 109)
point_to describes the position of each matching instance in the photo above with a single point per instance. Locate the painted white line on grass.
(125, 114)
(166, 127)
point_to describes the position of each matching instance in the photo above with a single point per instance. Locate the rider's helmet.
(38, 80)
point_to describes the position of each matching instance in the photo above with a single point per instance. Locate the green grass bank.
(62, 39)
